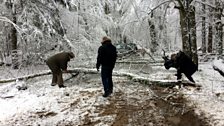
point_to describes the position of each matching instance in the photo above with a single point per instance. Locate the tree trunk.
(210, 38)
(203, 30)
(218, 27)
(154, 43)
(14, 51)
(188, 31)
(193, 36)
(210, 29)
(14, 34)
(184, 31)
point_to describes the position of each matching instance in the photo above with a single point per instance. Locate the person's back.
(59, 61)
(107, 55)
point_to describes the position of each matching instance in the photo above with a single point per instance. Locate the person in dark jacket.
(58, 64)
(107, 55)
(183, 64)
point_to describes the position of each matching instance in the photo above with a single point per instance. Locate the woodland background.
(31, 30)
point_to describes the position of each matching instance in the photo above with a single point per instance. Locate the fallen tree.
(131, 76)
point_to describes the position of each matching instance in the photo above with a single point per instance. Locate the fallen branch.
(217, 69)
(136, 62)
(134, 77)
(76, 70)
(25, 77)
(46, 113)
(218, 65)
(148, 53)
(5, 97)
(73, 75)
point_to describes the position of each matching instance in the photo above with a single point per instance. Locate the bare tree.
(188, 28)
(210, 28)
(154, 43)
(203, 30)
(12, 34)
(218, 27)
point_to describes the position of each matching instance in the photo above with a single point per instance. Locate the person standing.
(58, 64)
(106, 58)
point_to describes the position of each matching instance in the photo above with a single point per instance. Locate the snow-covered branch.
(132, 76)
(5, 19)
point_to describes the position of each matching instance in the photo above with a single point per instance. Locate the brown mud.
(166, 107)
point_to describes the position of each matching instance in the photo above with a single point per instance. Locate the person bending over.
(58, 64)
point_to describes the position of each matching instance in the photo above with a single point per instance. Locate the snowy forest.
(146, 34)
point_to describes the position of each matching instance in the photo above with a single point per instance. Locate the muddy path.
(151, 106)
(81, 104)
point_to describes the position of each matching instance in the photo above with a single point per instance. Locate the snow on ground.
(210, 98)
(40, 99)
(81, 103)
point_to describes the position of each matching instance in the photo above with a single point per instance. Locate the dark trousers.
(57, 78)
(57, 75)
(106, 75)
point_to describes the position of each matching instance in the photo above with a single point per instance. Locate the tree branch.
(181, 6)
(168, 1)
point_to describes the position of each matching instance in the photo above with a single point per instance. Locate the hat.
(105, 38)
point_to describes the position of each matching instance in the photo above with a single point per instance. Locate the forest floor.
(132, 103)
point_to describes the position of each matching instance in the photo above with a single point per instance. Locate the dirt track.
(142, 107)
